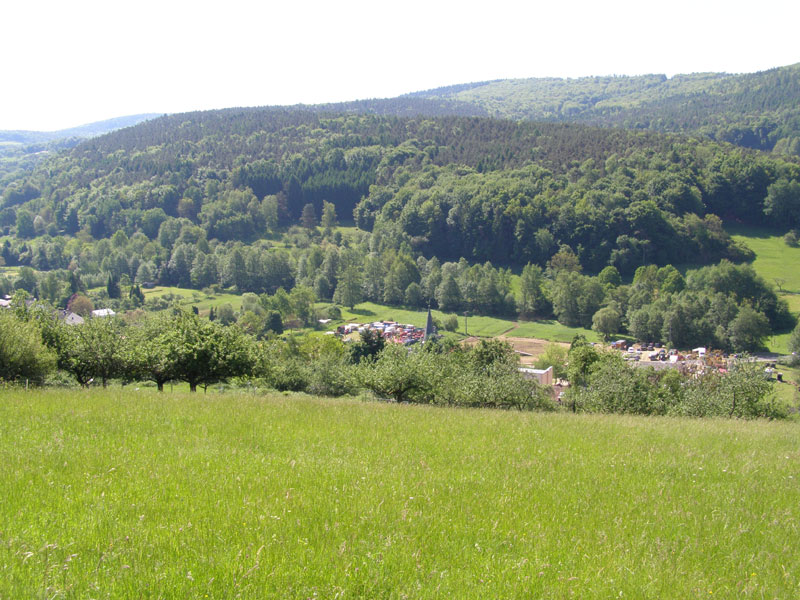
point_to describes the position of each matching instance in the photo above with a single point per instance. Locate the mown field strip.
(134, 494)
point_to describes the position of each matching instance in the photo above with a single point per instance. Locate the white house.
(543, 376)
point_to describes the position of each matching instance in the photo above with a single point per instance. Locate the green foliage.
(581, 360)
(348, 291)
(112, 287)
(309, 217)
(616, 387)
(152, 350)
(607, 321)
(486, 376)
(610, 276)
(532, 297)
(488, 353)
(782, 204)
(97, 349)
(205, 352)
(576, 298)
(23, 356)
(554, 355)
(398, 374)
(370, 344)
(754, 110)
(744, 392)
(450, 323)
(794, 340)
(613, 386)
(748, 330)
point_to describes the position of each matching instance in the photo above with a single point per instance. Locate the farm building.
(543, 376)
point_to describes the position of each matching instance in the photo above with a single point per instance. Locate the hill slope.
(449, 186)
(755, 110)
(82, 131)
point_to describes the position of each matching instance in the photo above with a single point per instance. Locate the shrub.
(22, 353)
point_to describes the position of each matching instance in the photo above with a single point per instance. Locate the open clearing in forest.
(775, 261)
(779, 265)
(129, 494)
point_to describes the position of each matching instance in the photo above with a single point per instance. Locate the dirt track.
(531, 348)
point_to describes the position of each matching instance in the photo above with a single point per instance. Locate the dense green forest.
(474, 188)
(754, 110)
(21, 151)
(447, 212)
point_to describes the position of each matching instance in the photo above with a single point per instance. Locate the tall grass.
(133, 494)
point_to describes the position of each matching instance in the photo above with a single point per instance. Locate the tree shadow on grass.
(363, 312)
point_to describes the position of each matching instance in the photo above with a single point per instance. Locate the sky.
(65, 64)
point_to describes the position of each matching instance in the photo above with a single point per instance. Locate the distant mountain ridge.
(754, 110)
(82, 131)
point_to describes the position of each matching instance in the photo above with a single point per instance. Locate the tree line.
(180, 346)
(725, 306)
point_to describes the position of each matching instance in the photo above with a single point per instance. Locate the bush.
(23, 356)
(451, 323)
(331, 376)
(616, 387)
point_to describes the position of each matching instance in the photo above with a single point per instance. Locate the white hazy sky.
(64, 64)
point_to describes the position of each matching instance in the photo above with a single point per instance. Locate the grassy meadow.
(779, 265)
(480, 326)
(128, 494)
(189, 297)
(774, 259)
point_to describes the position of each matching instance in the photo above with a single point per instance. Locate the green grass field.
(779, 265)
(476, 325)
(553, 331)
(131, 494)
(190, 297)
(774, 259)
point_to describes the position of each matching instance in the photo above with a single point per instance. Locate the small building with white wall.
(542, 376)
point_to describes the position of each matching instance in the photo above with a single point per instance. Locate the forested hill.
(21, 151)
(82, 131)
(454, 187)
(756, 110)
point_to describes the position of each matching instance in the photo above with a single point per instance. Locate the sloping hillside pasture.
(189, 297)
(480, 326)
(774, 259)
(134, 494)
(779, 265)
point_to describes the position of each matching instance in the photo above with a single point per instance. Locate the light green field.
(793, 300)
(774, 259)
(553, 331)
(129, 495)
(779, 264)
(477, 326)
(787, 392)
(196, 298)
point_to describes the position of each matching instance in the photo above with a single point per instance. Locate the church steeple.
(429, 328)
